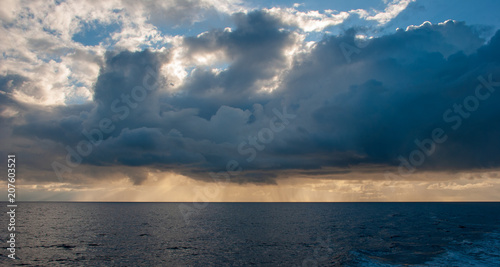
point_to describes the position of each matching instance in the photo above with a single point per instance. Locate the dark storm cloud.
(8, 82)
(365, 109)
(255, 49)
(396, 90)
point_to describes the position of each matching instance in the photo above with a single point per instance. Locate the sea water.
(255, 234)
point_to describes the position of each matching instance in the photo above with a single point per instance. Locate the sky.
(207, 101)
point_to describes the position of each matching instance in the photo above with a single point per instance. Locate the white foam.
(483, 252)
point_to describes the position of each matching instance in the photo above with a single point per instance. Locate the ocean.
(254, 234)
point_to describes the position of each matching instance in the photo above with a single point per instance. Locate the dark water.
(245, 234)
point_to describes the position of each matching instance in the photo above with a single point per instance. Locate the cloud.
(395, 91)
(43, 41)
(311, 21)
(316, 21)
(364, 106)
(59, 47)
(460, 187)
(391, 11)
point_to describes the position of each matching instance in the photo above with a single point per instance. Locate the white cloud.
(455, 186)
(39, 43)
(310, 21)
(391, 11)
(316, 21)
(8, 10)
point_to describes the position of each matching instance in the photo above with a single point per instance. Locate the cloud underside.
(352, 105)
